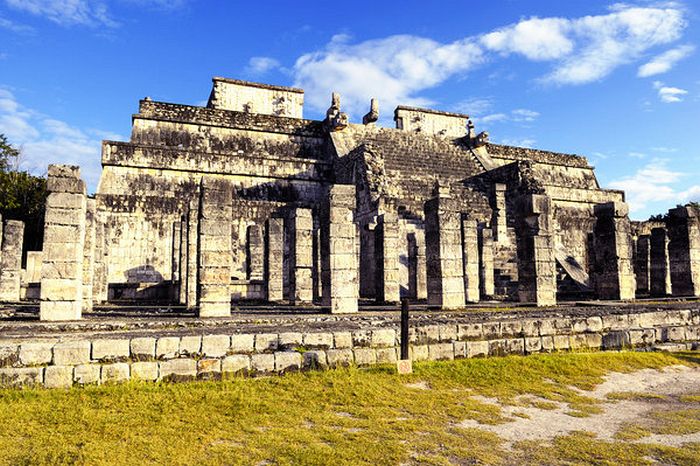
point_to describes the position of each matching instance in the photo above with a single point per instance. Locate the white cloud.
(261, 65)
(654, 183)
(13, 26)
(396, 69)
(520, 115)
(67, 12)
(536, 38)
(393, 69)
(43, 140)
(493, 118)
(523, 114)
(523, 142)
(474, 107)
(637, 155)
(664, 149)
(669, 94)
(664, 62)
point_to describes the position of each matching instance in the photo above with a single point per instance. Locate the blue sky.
(616, 82)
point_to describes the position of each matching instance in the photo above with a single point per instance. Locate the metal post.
(404, 329)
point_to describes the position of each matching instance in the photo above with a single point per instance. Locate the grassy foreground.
(346, 416)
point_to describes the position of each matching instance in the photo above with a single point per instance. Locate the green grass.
(345, 416)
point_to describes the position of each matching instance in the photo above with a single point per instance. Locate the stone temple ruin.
(244, 200)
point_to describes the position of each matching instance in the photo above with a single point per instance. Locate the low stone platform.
(118, 343)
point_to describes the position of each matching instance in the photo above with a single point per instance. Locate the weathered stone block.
(216, 346)
(263, 363)
(642, 337)
(85, 374)
(191, 346)
(286, 361)
(533, 344)
(70, 353)
(342, 339)
(419, 353)
(36, 353)
(470, 331)
(235, 363)
(21, 376)
(313, 360)
(58, 377)
(143, 348)
(318, 340)
(477, 349)
(144, 370)
(167, 347)
(365, 356)
(561, 342)
(386, 355)
(266, 341)
(383, 338)
(209, 369)
(115, 373)
(290, 340)
(673, 334)
(339, 357)
(177, 370)
(242, 343)
(441, 351)
(9, 355)
(112, 349)
(460, 349)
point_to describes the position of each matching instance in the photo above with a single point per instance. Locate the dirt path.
(530, 423)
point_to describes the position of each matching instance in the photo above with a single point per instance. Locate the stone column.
(614, 277)
(11, 261)
(100, 273)
(316, 271)
(386, 253)
(470, 260)
(684, 251)
(192, 254)
(537, 282)
(33, 267)
(443, 245)
(498, 219)
(421, 267)
(486, 263)
(642, 263)
(64, 239)
(660, 276)
(274, 274)
(175, 261)
(255, 253)
(339, 252)
(182, 270)
(214, 280)
(300, 238)
(89, 254)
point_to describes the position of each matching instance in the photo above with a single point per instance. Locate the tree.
(8, 154)
(22, 196)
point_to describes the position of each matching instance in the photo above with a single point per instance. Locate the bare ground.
(663, 387)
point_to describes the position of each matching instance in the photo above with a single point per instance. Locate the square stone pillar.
(537, 280)
(214, 274)
(316, 271)
(100, 277)
(64, 240)
(11, 261)
(89, 254)
(684, 250)
(660, 274)
(192, 219)
(300, 255)
(176, 261)
(339, 251)
(421, 267)
(498, 218)
(274, 270)
(33, 267)
(642, 263)
(443, 246)
(386, 253)
(255, 253)
(470, 260)
(612, 239)
(486, 272)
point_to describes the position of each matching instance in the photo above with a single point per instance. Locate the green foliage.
(22, 196)
(8, 154)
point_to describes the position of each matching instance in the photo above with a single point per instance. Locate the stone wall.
(57, 362)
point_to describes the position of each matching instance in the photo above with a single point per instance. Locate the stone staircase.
(505, 267)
